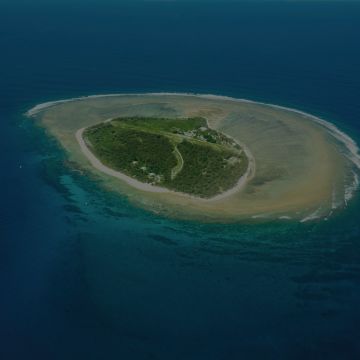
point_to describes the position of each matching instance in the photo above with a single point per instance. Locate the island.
(183, 155)
(205, 157)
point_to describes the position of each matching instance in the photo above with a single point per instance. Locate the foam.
(351, 189)
(313, 216)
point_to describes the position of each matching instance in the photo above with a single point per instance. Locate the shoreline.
(95, 162)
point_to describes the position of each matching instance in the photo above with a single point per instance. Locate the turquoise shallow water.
(84, 274)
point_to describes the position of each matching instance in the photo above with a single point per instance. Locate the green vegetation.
(208, 171)
(180, 154)
(162, 124)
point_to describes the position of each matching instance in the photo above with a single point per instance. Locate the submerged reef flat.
(298, 166)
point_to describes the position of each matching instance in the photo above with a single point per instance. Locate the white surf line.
(335, 203)
(314, 215)
(261, 216)
(41, 107)
(351, 189)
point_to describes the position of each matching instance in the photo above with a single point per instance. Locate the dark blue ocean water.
(85, 275)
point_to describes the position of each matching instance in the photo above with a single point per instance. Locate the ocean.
(86, 274)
